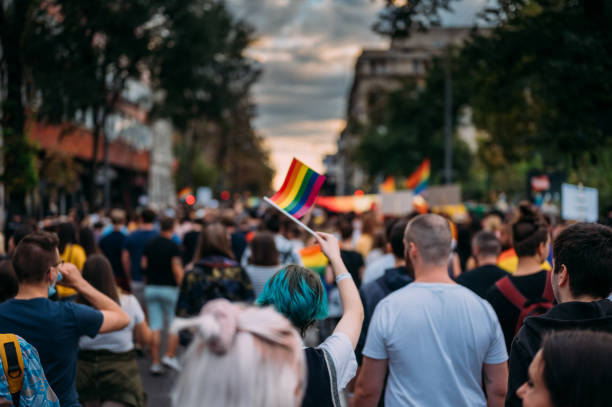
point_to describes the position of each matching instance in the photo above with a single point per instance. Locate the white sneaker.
(172, 363)
(156, 369)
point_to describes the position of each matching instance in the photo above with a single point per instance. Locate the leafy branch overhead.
(73, 61)
(538, 83)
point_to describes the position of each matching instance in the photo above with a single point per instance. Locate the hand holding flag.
(298, 193)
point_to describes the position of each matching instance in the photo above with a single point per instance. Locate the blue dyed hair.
(297, 293)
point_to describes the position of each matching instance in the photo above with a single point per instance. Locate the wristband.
(342, 276)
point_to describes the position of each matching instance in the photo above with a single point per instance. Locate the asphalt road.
(157, 387)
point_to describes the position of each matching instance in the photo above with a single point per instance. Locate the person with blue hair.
(298, 293)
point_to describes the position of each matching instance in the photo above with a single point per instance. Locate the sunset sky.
(307, 49)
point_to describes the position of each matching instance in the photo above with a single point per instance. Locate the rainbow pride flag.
(314, 259)
(388, 186)
(419, 179)
(299, 190)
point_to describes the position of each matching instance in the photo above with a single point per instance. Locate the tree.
(81, 55)
(19, 173)
(206, 81)
(400, 17)
(410, 128)
(542, 80)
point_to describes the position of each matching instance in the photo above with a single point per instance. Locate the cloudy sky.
(307, 49)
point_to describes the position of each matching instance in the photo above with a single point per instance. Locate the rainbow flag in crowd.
(389, 185)
(508, 260)
(299, 190)
(183, 193)
(418, 180)
(314, 259)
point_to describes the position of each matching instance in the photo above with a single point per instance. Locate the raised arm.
(114, 318)
(352, 309)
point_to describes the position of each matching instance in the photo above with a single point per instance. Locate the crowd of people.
(424, 310)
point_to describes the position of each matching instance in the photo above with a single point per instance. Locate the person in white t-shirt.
(107, 371)
(440, 341)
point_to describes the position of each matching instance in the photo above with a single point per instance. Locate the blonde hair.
(241, 356)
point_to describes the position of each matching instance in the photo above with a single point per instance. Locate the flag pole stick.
(300, 224)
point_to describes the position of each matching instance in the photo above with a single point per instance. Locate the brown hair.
(98, 272)
(34, 256)
(529, 231)
(8, 281)
(213, 240)
(263, 250)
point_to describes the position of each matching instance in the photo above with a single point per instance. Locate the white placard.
(579, 203)
(203, 196)
(397, 203)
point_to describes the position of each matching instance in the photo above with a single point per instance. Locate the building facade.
(378, 72)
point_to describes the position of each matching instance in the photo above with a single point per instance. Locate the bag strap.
(548, 293)
(12, 362)
(510, 292)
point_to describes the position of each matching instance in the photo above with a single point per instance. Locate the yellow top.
(75, 254)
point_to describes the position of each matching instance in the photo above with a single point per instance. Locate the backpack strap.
(548, 293)
(12, 363)
(510, 292)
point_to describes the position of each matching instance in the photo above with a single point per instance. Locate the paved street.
(157, 387)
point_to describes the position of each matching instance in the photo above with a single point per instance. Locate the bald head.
(432, 236)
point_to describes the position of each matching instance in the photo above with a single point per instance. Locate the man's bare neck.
(30, 291)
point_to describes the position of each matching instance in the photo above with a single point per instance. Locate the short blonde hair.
(241, 356)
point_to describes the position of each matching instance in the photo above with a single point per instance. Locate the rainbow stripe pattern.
(314, 259)
(299, 190)
(419, 179)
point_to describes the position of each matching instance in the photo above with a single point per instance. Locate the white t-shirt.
(118, 341)
(340, 348)
(437, 338)
(259, 275)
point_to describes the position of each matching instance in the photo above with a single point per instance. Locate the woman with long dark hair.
(571, 370)
(215, 274)
(107, 369)
(263, 261)
(87, 239)
(530, 283)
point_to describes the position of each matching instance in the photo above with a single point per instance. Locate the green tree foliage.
(70, 60)
(539, 83)
(542, 80)
(410, 127)
(400, 17)
(19, 172)
(82, 54)
(206, 82)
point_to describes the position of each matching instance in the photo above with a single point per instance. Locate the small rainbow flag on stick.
(418, 180)
(298, 192)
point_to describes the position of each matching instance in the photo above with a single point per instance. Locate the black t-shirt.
(190, 244)
(112, 246)
(531, 286)
(353, 261)
(159, 253)
(480, 279)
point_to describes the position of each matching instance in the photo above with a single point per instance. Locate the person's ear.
(563, 277)
(543, 250)
(413, 252)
